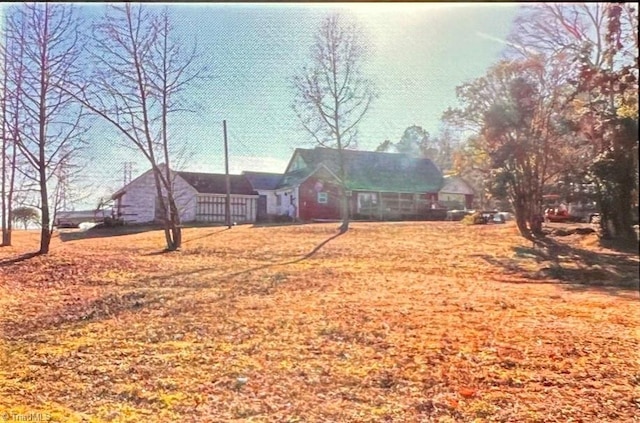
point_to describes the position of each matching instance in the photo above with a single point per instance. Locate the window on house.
(323, 198)
(367, 202)
(278, 200)
(298, 163)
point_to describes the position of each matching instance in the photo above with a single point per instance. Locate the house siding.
(309, 207)
(138, 203)
(456, 193)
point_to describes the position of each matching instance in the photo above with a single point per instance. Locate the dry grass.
(420, 322)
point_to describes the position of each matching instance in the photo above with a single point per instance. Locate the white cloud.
(237, 164)
(504, 42)
(257, 164)
(492, 38)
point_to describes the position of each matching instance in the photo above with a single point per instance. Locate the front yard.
(404, 322)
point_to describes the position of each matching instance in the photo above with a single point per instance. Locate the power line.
(128, 172)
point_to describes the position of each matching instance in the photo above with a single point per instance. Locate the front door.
(261, 213)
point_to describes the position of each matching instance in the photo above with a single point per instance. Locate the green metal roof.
(371, 171)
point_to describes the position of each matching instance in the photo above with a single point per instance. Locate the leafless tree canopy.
(572, 30)
(46, 122)
(139, 74)
(332, 95)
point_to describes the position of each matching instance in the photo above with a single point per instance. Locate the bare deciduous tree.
(8, 147)
(140, 72)
(47, 122)
(14, 186)
(332, 96)
(572, 29)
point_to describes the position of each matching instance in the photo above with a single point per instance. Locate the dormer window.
(297, 163)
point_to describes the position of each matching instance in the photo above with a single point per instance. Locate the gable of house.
(137, 202)
(298, 160)
(456, 185)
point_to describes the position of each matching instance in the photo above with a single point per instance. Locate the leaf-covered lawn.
(414, 322)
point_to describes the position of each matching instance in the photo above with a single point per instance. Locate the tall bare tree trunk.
(522, 215)
(45, 230)
(333, 97)
(173, 224)
(344, 199)
(6, 205)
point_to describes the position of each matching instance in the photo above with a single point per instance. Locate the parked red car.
(556, 215)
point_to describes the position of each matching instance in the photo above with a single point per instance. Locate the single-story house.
(456, 193)
(379, 185)
(200, 197)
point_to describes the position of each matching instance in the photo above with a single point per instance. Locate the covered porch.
(379, 205)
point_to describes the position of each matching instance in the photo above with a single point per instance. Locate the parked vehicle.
(493, 216)
(66, 224)
(557, 210)
(556, 215)
(587, 212)
(73, 219)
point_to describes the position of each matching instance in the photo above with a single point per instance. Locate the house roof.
(298, 176)
(215, 183)
(263, 180)
(370, 170)
(456, 184)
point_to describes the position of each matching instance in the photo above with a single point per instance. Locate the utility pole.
(227, 208)
(128, 171)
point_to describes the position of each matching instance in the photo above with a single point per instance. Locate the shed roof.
(215, 183)
(263, 180)
(371, 171)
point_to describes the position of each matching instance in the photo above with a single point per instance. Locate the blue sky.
(420, 53)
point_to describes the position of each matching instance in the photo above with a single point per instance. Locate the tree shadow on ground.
(109, 232)
(276, 224)
(18, 259)
(104, 232)
(186, 241)
(81, 312)
(242, 272)
(78, 312)
(628, 246)
(166, 251)
(550, 261)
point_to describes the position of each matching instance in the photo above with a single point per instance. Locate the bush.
(473, 219)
